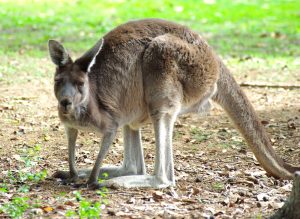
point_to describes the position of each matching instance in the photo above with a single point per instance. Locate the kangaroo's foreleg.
(72, 174)
(107, 140)
(133, 163)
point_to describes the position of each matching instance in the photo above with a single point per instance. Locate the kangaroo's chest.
(83, 125)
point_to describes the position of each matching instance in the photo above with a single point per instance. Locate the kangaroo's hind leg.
(133, 163)
(163, 96)
(163, 118)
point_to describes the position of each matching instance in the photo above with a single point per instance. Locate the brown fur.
(156, 69)
(238, 107)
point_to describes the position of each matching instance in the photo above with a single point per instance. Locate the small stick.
(258, 84)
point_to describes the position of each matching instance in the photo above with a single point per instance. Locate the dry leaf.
(263, 197)
(47, 209)
(46, 137)
(89, 161)
(69, 203)
(157, 196)
(17, 157)
(60, 207)
(131, 200)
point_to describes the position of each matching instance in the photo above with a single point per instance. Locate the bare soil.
(216, 174)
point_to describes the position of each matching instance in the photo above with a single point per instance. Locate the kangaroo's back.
(143, 31)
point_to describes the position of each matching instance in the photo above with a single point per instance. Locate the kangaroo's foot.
(66, 177)
(105, 172)
(137, 181)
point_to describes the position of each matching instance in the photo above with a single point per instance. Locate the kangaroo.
(148, 70)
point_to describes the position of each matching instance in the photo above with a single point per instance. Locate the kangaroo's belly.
(203, 105)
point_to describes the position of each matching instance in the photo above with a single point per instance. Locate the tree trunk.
(291, 208)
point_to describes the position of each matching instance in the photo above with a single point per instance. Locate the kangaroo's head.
(71, 82)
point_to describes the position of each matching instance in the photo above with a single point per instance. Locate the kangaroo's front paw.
(94, 185)
(66, 177)
(61, 175)
(72, 179)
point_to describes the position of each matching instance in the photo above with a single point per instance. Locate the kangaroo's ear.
(58, 53)
(88, 59)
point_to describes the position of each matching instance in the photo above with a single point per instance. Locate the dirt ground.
(216, 174)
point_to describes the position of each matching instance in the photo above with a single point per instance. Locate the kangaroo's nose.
(65, 102)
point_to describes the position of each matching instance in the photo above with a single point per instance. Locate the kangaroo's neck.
(97, 114)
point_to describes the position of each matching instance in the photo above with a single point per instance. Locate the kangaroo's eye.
(79, 83)
(57, 80)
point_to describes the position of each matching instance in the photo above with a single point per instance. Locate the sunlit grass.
(258, 39)
(234, 28)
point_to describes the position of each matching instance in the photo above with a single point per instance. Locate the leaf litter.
(216, 175)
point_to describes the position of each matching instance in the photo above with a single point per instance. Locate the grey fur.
(150, 70)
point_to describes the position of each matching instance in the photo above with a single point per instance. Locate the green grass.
(17, 183)
(218, 186)
(258, 39)
(87, 208)
(234, 28)
(199, 135)
(15, 208)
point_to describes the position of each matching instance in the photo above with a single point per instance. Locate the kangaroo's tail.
(230, 96)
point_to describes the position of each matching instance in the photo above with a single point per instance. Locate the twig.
(259, 84)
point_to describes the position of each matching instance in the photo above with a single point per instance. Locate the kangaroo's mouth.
(65, 110)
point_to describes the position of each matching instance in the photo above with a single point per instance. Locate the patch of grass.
(200, 135)
(87, 208)
(258, 39)
(229, 139)
(20, 180)
(16, 68)
(3, 188)
(259, 216)
(178, 134)
(268, 69)
(15, 208)
(260, 28)
(27, 172)
(218, 186)
(24, 188)
(223, 145)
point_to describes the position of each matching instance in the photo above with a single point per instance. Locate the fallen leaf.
(111, 212)
(173, 193)
(157, 196)
(46, 137)
(60, 207)
(89, 161)
(69, 203)
(286, 188)
(264, 122)
(131, 200)
(263, 197)
(47, 209)
(275, 205)
(195, 191)
(17, 157)
(37, 211)
(291, 124)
